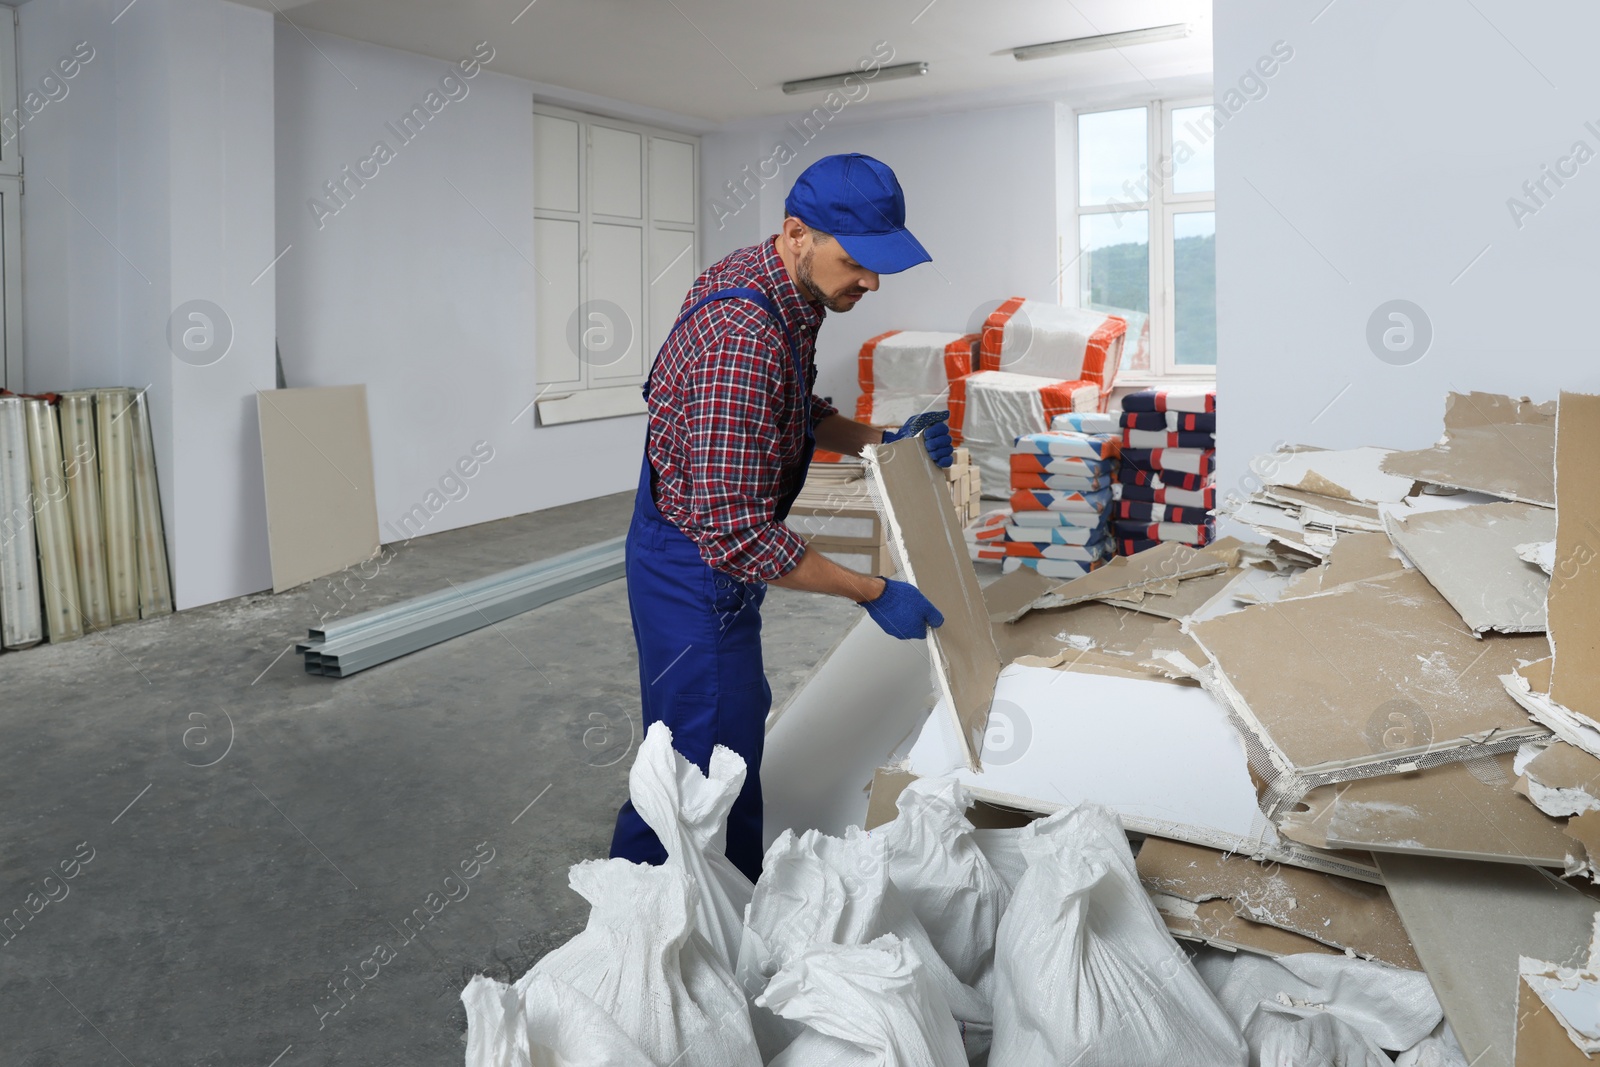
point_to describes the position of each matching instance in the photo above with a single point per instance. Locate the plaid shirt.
(726, 434)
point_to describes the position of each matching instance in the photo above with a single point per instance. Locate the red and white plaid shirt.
(726, 429)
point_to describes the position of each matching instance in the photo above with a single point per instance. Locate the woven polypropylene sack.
(639, 981)
(688, 811)
(863, 1006)
(945, 877)
(1086, 972)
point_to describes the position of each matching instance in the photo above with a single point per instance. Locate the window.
(615, 249)
(1146, 233)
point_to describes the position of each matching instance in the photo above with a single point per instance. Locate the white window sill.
(585, 405)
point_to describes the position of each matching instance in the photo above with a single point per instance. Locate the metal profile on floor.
(342, 648)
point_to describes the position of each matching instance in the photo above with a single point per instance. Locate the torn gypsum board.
(1541, 1039)
(1354, 513)
(1492, 444)
(1189, 597)
(928, 538)
(1469, 923)
(1445, 810)
(1098, 626)
(1353, 474)
(1215, 923)
(1575, 587)
(1340, 912)
(1122, 574)
(1404, 655)
(416, 624)
(1562, 780)
(1469, 556)
(1528, 686)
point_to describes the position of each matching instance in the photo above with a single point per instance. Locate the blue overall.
(699, 637)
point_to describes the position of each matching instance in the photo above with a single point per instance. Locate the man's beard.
(835, 302)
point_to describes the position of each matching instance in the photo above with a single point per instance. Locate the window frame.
(608, 396)
(1159, 207)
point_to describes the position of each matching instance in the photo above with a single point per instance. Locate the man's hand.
(935, 432)
(902, 611)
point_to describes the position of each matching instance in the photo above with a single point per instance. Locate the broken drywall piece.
(1317, 509)
(1541, 554)
(1575, 587)
(1353, 474)
(1154, 568)
(1541, 1040)
(1467, 555)
(924, 528)
(1088, 626)
(1492, 444)
(1011, 596)
(1571, 993)
(1356, 556)
(1562, 781)
(1529, 686)
(1215, 923)
(1583, 858)
(1351, 682)
(1511, 911)
(1442, 811)
(1187, 597)
(1340, 912)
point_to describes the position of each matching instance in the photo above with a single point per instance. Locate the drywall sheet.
(1469, 923)
(933, 550)
(1492, 444)
(1189, 596)
(1541, 1039)
(1356, 556)
(883, 798)
(869, 694)
(1575, 584)
(1215, 923)
(1470, 556)
(1164, 757)
(1562, 780)
(1011, 596)
(1529, 686)
(1340, 912)
(1571, 993)
(316, 457)
(1363, 675)
(1094, 627)
(1090, 662)
(1464, 810)
(1318, 510)
(1354, 474)
(1126, 573)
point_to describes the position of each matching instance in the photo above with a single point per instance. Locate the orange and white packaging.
(989, 410)
(1053, 341)
(903, 373)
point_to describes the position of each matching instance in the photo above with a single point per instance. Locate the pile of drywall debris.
(1375, 734)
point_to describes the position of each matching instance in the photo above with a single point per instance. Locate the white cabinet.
(615, 249)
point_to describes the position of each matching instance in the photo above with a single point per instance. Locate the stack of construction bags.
(1035, 361)
(1167, 482)
(1061, 483)
(904, 373)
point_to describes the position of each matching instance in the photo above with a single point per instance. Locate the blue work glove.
(902, 611)
(935, 435)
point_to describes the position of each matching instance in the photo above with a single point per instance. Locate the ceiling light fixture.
(834, 81)
(1149, 35)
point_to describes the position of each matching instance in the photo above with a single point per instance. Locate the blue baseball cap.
(858, 200)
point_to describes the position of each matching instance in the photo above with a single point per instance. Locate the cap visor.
(885, 253)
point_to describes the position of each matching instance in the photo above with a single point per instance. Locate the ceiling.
(722, 61)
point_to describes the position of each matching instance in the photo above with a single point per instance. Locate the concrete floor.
(254, 834)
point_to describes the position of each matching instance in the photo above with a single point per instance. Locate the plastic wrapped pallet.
(863, 1006)
(906, 372)
(1028, 337)
(1086, 971)
(989, 410)
(638, 985)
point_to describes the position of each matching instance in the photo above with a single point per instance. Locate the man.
(732, 425)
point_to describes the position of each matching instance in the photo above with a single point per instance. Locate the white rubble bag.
(863, 1006)
(816, 889)
(1438, 1049)
(689, 813)
(1086, 972)
(1280, 1004)
(940, 871)
(638, 985)
(496, 1035)
(1002, 847)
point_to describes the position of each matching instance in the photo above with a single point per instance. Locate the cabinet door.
(671, 180)
(555, 162)
(556, 253)
(672, 271)
(614, 324)
(616, 172)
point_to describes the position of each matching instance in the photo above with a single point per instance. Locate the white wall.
(422, 285)
(1377, 166)
(149, 184)
(981, 195)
